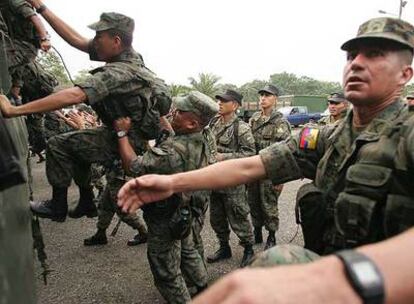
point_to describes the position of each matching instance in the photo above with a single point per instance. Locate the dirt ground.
(116, 273)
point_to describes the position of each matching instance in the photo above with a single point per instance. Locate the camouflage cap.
(114, 21)
(410, 95)
(230, 95)
(271, 89)
(197, 103)
(386, 28)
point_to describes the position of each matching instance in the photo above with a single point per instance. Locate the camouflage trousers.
(71, 154)
(35, 128)
(173, 262)
(230, 207)
(263, 202)
(107, 206)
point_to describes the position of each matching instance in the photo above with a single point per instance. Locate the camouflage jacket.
(365, 179)
(269, 129)
(329, 120)
(112, 91)
(176, 154)
(233, 142)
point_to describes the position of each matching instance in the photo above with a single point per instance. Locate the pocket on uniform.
(399, 214)
(268, 132)
(354, 215)
(225, 140)
(368, 180)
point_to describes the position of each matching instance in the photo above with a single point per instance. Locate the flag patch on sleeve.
(309, 138)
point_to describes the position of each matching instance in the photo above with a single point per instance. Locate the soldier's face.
(267, 100)
(336, 108)
(105, 45)
(181, 121)
(373, 74)
(227, 107)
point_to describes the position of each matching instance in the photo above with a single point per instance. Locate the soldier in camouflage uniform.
(112, 90)
(268, 126)
(362, 169)
(229, 206)
(338, 106)
(187, 150)
(28, 35)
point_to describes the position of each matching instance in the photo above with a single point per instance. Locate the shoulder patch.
(309, 138)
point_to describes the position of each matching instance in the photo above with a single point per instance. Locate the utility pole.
(402, 4)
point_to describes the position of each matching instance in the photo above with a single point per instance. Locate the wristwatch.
(121, 134)
(364, 276)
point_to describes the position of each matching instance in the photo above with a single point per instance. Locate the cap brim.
(338, 100)
(225, 97)
(99, 26)
(383, 36)
(266, 91)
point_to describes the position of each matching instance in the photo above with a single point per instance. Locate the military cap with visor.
(384, 28)
(198, 103)
(230, 95)
(336, 98)
(270, 89)
(114, 21)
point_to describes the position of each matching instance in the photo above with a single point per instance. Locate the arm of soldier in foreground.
(68, 34)
(149, 188)
(43, 36)
(323, 281)
(125, 149)
(51, 102)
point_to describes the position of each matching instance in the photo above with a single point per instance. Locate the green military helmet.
(284, 255)
(197, 103)
(114, 21)
(384, 28)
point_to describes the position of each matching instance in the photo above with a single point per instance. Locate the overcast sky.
(237, 40)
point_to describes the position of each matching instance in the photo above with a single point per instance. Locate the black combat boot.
(54, 209)
(247, 256)
(99, 238)
(271, 240)
(258, 237)
(86, 205)
(139, 238)
(224, 252)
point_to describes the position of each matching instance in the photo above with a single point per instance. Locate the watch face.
(366, 273)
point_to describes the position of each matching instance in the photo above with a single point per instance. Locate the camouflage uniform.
(263, 198)
(329, 120)
(166, 253)
(17, 283)
(347, 175)
(230, 205)
(112, 91)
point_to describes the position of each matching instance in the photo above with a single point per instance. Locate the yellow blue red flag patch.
(309, 138)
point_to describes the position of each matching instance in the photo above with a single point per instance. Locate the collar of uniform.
(230, 122)
(128, 54)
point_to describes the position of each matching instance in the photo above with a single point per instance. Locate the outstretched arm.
(51, 102)
(63, 29)
(150, 188)
(44, 39)
(320, 282)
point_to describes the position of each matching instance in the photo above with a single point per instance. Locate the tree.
(178, 89)
(52, 63)
(207, 84)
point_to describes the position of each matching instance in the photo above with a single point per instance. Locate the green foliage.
(51, 63)
(206, 84)
(178, 89)
(290, 84)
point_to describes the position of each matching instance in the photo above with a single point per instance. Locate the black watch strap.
(364, 276)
